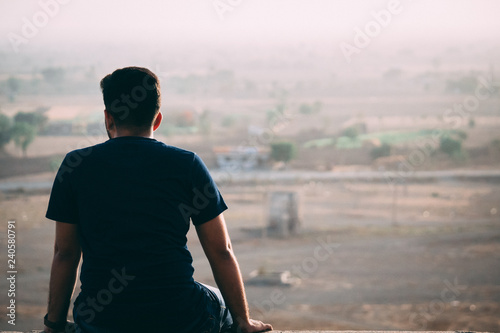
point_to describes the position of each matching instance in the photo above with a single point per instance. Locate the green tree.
(54, 75)
(472, 123)
(36, 119)
(228, 120)
(23, 135)
(451, 146)
(305, 108)
(283, 151)
(308, 109)
(461, 135)
(351, 132)
(5, 130)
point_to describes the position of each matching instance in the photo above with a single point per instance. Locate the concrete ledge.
(38, 331)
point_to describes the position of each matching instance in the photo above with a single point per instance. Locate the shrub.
(283, 151)
(450, 146)
(381, 151)
(351, 132)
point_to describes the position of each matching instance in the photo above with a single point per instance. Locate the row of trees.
(22, 128)
(50, 80)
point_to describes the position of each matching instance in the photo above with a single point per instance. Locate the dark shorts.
(218, 319)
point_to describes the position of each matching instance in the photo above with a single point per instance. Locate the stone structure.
(283, 214)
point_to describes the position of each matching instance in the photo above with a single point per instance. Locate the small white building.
(241, 157)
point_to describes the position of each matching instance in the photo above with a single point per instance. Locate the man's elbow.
(67, 254)
(223, 254)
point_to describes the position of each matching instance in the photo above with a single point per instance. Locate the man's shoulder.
(156, 147)
(174, 153)
(176, 150)
(84, 152)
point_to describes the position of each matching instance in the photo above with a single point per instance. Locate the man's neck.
(125, 132)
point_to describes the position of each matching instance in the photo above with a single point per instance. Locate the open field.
(392, 260)
(378, 275)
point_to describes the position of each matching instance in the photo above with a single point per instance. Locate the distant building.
(241, 158)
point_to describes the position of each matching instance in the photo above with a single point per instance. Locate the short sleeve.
(62, 203)
(207, 202)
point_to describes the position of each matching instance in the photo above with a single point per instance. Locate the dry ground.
(437, 267)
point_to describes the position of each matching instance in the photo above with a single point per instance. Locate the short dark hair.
(132, 96)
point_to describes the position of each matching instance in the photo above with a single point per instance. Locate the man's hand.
(70, 327)
(215, 241)
(67, 253)
(48, 330)
(253, 326)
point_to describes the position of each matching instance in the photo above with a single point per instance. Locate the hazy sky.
(248, 21)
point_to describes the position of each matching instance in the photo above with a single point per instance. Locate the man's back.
(126, 205)
(132, 198)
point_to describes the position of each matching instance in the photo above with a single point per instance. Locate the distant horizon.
(71, 23)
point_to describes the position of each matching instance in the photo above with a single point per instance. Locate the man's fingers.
(263, 327)
(268, 327)
(255, 326)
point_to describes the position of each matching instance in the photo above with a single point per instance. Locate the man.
(126, 205)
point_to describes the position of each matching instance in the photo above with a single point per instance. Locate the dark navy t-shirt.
(132, 199)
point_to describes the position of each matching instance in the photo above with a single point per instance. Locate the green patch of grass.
(387, 137)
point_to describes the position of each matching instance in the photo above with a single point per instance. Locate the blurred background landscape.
(370, 126)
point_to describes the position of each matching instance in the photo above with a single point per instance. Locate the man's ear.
(109, 121)
(157, 121)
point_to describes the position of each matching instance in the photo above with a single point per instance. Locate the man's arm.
(67, 253)
(217, 246)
